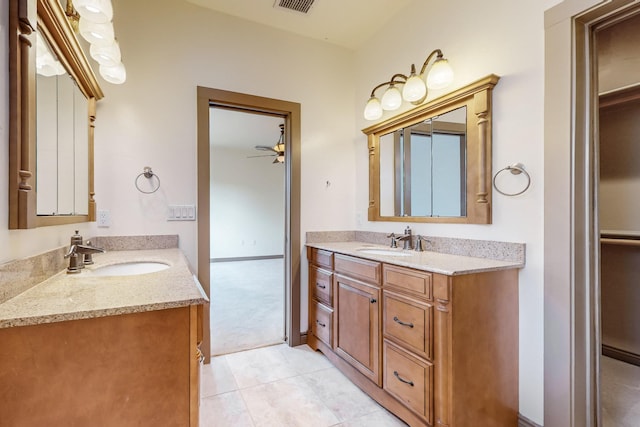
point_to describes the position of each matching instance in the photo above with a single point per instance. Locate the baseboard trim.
(526, 422)
(622, 355)
(303, 338)
(246, 258)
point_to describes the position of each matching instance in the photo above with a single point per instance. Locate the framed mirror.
(433, 163)
(52, 119)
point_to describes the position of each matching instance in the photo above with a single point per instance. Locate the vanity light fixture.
(96, 27)
(414, 88)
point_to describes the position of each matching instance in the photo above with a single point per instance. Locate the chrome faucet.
(406, 237)
(79, 254)
(419, 245)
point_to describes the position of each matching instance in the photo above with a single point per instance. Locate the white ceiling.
(243, 130)
(346, 23)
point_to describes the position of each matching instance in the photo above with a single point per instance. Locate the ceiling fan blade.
(264, 148)
(263, 155)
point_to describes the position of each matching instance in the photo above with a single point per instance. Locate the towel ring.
(147, 173)
(515, 169)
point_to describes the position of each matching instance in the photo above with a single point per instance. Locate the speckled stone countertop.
(434, 262)
(86, 295)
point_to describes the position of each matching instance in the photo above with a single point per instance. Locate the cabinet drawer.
(321, 322)
(320, 257)
(321, 283)
(408, 322)
(413, 281)
(408, 379)
(358, 268)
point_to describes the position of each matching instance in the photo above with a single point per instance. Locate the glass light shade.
(391, 99)
(108, 55)
(280, 159)
(414, 89)
(47, 66)
(99, 11)
(440, 75)
(373, 109)
(95, 33)
(116, 74)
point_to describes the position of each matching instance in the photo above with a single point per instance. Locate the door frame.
(292, 258)
(571, 230)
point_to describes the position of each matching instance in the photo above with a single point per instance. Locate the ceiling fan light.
(99, 11)
(97, 33)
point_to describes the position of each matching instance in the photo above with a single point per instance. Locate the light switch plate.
(181, 213)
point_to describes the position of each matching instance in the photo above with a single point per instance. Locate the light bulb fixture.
(414, 88)
(116, 74)
(98, 11)
(97, 33)
(108, 55)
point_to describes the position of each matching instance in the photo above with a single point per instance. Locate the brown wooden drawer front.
(414, 281)
(358, 268)
(408, 322)
(408, 379)
(321, 283)
(321, 319)
(320, 257)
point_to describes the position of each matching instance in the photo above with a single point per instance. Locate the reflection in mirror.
(433, 163)
(423, 168)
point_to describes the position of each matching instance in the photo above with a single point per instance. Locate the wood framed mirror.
(433, 162)
(60, 160)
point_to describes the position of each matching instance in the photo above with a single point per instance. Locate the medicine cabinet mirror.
(433, 163)
(53, 94)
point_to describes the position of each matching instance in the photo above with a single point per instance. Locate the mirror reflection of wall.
(62, 139)
(423, 168)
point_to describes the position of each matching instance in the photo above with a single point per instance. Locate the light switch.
(181, 213)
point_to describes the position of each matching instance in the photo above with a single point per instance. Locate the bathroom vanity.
(93, 349)
(433, 337)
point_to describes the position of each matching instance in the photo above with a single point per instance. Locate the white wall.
(479, 38)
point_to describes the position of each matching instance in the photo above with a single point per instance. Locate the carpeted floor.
(247, 305)
(620, 393)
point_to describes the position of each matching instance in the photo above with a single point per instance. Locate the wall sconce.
(414, 88)
(96, 27)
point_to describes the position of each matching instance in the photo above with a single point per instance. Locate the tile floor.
(284, 387)
(620, 393)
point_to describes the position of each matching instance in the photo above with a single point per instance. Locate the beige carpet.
(247, 305)
(620, 393)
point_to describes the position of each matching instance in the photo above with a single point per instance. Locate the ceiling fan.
(277, 149)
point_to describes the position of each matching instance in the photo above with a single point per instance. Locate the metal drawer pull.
(320, 286)
(320, 323)
(402, 379)
(373, 300)
(395, 319)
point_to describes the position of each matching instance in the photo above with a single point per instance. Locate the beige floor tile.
(303, 359)
(620, 393)
(259, 366)
(216, 378)
(380, 418)
(340, 395)
(224, 410)
(289, 402)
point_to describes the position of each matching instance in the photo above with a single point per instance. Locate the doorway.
(290, 112)
(247, 229)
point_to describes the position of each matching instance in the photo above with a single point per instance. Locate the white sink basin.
(388, 252)
(130, 268)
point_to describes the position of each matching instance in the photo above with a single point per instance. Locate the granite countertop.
(434, 262)
(86, 295)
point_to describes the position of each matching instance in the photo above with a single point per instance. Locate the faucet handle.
(419, 240)
(394, 242)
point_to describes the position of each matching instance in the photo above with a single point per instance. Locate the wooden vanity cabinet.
(435, 350)
(134, 369)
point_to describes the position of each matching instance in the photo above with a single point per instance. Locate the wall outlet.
(103, 218)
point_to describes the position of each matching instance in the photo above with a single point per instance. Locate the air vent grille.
(302, 6)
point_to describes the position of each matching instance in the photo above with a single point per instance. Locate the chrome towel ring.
(148, 173)
(515, 169)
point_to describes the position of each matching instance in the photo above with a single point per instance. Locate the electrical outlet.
(104, 218)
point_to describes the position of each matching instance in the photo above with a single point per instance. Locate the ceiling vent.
(302, 6)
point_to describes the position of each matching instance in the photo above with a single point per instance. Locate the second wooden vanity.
(436, 348)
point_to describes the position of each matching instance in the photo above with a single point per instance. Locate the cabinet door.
(358, 317)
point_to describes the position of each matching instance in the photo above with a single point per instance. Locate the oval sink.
(388, 252)
(130, 268)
